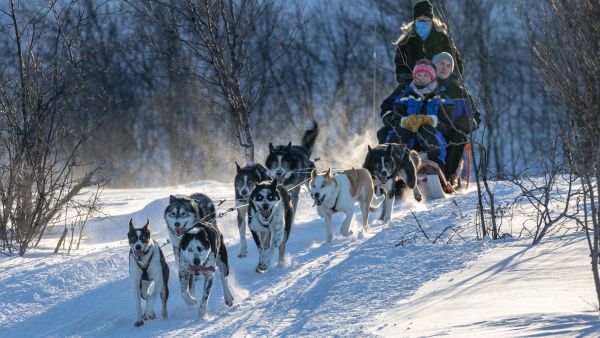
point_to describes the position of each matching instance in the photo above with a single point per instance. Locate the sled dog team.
(266, 200)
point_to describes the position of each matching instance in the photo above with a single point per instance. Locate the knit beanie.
(443, 56)
(422, 8)
(425, 67)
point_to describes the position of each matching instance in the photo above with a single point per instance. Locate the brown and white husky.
(338, 193)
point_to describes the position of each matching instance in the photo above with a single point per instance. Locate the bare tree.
(565, 37)
(223, 36)
(43, 129)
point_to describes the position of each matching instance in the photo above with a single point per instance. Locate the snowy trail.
(323, 289)
(350, 288)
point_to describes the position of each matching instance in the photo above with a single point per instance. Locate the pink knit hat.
(426, 67)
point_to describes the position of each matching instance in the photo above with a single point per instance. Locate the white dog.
(149, 272)
(339, 193)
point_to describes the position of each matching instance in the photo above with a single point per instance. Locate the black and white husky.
(393, 168)
(183, 213)
(290, 165)
(245, 181)
(270, 217)
(149, 272)
(201, 251)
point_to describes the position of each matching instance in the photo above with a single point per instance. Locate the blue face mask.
(423, 28)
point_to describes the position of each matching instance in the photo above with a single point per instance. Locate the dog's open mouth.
(319, 201)
(266, 214)
(383, 179)
(179, 231)
(197, 269)
(138, 254)
(279, 178)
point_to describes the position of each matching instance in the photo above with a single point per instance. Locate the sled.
(432, 179)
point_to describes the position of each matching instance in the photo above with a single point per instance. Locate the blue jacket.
(410, 103)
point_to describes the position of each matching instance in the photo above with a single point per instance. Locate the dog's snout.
(138, 247)
(317, 195)
(196, 261)
(265, 206)
(177, 224)
(244, 192)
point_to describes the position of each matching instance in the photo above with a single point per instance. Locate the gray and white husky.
(290, 164)
(202, 250)
(393, 168)
(183, 213)
(245, 181)
(149, 272)
(270, 217)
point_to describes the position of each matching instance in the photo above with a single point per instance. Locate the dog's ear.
(172, 199)
(271, 148)
(289, 146)
(389, 149)
(328, 173)
(147, 225)
(313, 173)
(274, 184)
(237, 167)
(369, 148)
(131, 227)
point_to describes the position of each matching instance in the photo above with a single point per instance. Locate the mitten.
(431, 120)
(412, 123)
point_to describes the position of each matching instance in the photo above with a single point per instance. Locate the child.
(418, 108)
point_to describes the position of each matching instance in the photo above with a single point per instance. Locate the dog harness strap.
(144, 267)
(335, 204)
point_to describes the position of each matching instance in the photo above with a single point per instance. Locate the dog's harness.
(144, 267)
(335, 204)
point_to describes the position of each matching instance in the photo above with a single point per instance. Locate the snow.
(376, 286)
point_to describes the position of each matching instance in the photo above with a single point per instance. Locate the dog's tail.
(310, 135)
(376, 202)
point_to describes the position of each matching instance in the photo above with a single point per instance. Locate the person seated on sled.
(465, 117)
(415, 115)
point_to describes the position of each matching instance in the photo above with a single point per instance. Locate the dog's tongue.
(138, 254)
(279, 179)
(265, 213)
(179, 231)
(200, 268)
(384, 179)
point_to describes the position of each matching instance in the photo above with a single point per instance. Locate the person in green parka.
(423, 38)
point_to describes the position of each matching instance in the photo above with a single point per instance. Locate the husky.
(201, 251)
(149, 272)
(183, 213)
(339, 193)
(290, 165)
(270, 217)
(393, 168)
(245, 181)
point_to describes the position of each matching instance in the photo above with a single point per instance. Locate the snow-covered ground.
(387, 284)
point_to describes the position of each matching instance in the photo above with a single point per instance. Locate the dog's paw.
(150, 316)
(138, 323)
(201, 312)
(346, 233)
(361, 235)
(229, 301)
(260, 268)
(243, 254)
(419, 197)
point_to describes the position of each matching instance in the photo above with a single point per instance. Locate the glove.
(431, 120)
(412, 122)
